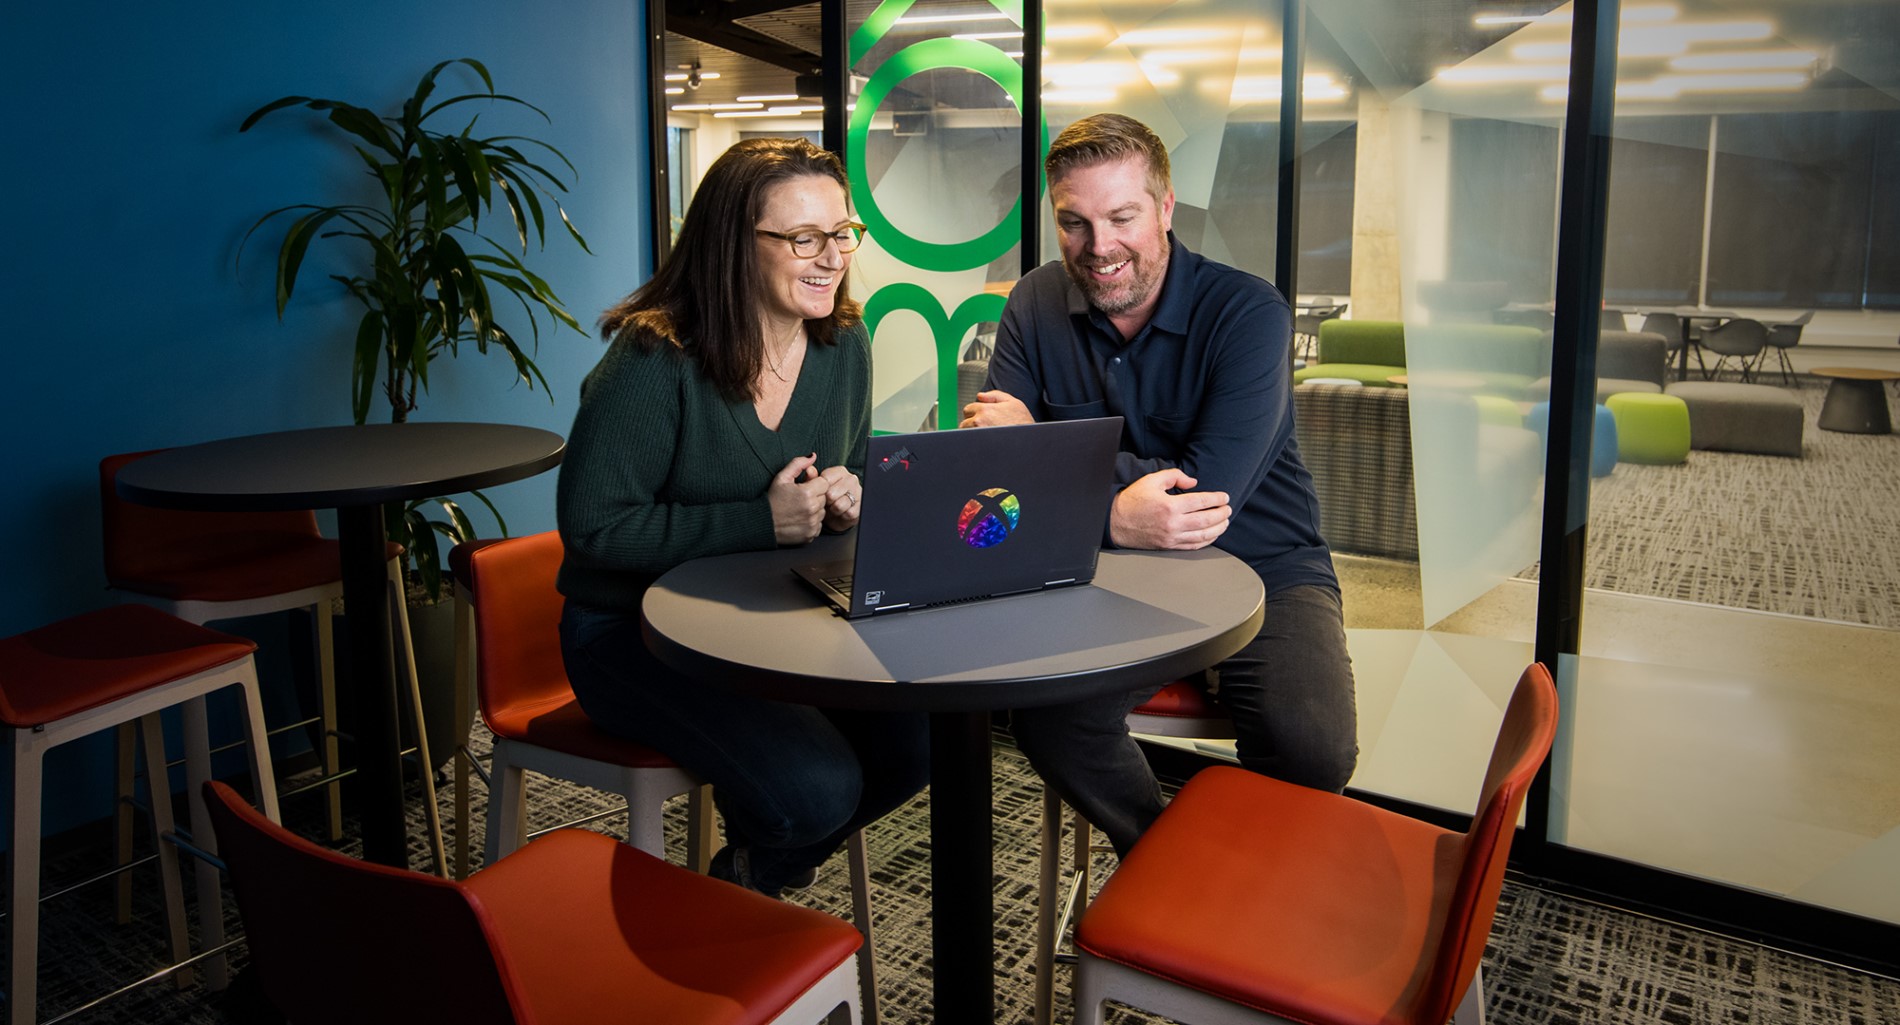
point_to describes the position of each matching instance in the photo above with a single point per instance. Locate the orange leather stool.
(208, 566)
(90, 673)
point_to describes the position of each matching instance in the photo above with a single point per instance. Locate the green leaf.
(492, 511)
(558, 155)
(514, 210)
(573, 231)
(515, 194)
(478, 166)
(277, 104)
(290, 255)
(369, 346)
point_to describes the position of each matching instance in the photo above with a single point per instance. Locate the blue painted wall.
(128, 326)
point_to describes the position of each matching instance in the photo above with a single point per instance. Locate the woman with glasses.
(731, 413)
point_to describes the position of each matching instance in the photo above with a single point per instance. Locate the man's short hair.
(1100, 138)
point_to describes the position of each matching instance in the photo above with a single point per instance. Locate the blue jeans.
(791, 781)
(1289, 691)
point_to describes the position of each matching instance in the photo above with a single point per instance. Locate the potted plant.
(434, 276)
(433, 279)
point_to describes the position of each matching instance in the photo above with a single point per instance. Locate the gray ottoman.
(1741, 417)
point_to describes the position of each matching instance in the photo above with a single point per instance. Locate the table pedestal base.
(1856, 407)
(963, 893)
(360, 534)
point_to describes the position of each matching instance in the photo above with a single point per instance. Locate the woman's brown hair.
(704, 299)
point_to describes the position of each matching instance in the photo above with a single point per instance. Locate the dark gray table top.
(746, 622)
(334, 467)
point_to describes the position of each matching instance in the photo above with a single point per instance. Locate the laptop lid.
(969, 514)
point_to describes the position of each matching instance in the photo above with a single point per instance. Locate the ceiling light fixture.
(767, 98)
(1079, 97)
(1649, 13)
(938, 19)
(1465, 74)
(1757, 60)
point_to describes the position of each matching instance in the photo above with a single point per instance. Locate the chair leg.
(399, 629)
(507, 805)
(210, 888)
(125, 759)
(326, 702)
(1470, 1010)
(1088, 995)
(646, 813)
(162, 822)
(1048, 871)
(701, 829)
(464, 700)
(23, 880)
(860, 868)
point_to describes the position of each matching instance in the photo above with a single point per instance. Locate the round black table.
(353, 470)
(745, 622)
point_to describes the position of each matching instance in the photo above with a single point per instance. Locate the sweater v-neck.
(808, 393)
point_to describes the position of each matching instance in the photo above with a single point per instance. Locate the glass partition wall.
(1732, 740)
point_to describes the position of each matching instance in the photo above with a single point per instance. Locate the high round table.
(745, 622)
(353, 470)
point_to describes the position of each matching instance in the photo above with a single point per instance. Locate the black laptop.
(956, 516)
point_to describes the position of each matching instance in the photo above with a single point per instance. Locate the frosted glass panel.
(934, 149)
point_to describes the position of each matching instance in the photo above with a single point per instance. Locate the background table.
(745, 622)
(1856, 400)
(353, 470)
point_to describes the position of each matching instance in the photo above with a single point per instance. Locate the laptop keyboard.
(840, 583)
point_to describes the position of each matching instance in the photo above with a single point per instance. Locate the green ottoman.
(1650, 428)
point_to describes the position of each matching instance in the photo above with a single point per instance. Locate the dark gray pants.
(1289, 691)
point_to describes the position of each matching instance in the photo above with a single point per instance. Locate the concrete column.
(1376, 292)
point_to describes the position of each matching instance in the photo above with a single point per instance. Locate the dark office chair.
(576, 927)
(1253, 900)
(1781, 338)
(1740, 339)
(1675, 335)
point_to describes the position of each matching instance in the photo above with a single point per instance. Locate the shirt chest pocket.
(1073, 411)
(1170, 432)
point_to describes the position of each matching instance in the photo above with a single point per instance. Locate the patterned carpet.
(1552, 960)
(1817, 536)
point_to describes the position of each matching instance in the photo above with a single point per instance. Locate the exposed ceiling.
(760, 47)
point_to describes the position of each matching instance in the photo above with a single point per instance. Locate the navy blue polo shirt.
(1205, 387)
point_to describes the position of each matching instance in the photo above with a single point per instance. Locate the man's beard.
(1119, 296)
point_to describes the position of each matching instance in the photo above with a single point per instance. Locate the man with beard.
(1194, 356)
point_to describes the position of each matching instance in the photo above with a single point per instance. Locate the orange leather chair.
(1182, 710)
(1252, 900)
(525, 699)
(91, 673)
(574, 928)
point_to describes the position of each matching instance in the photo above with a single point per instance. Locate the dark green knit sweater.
(660, 468)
